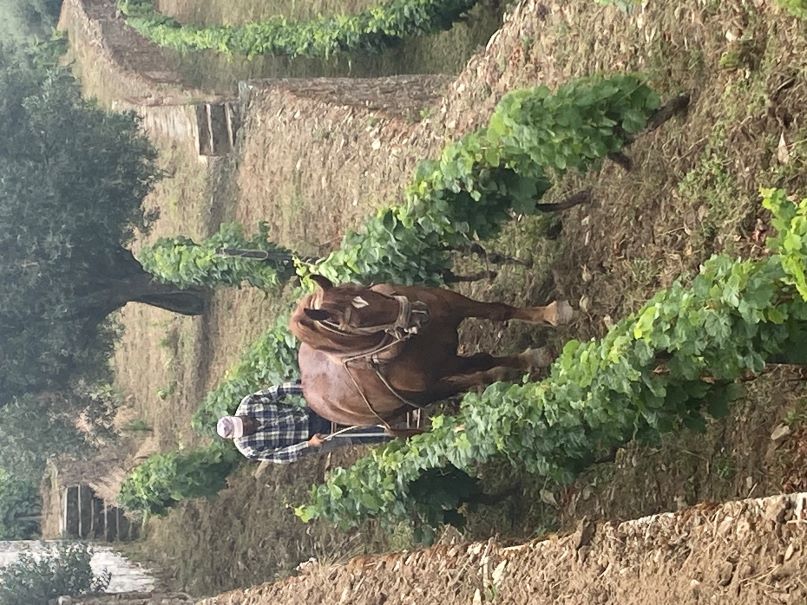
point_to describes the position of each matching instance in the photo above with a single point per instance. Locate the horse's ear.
(317, 314)
(322, 282)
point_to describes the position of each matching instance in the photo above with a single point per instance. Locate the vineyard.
(481, 179)
(682, 142)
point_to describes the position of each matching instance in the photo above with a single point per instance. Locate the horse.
(370, 354)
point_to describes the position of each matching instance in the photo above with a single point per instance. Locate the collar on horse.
(412, 316)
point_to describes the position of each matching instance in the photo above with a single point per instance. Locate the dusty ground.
(313, 167)
(747, 552)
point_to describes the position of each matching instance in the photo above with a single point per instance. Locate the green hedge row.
(372, 30)
(165, 479)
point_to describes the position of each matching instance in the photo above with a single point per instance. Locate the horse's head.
(351, 308)
(343, 314)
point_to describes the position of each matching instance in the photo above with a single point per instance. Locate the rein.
(411, 317)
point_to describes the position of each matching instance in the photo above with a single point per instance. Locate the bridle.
(412, 316)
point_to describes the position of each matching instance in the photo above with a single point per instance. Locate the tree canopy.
(72, 181)
(19, 503)
(23, 19)
(37, 427)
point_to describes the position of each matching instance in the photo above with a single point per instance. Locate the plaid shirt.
(282, 434)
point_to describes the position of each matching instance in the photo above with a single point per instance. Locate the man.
(265, 428)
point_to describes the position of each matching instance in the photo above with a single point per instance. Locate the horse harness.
(412, 316)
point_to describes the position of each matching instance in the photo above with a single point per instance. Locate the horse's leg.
(530, 359)
(482, 369)
(461, 383)
(556, 313)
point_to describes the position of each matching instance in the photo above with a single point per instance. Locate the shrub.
(19, 501)
(165, 479)
(64, 571)
(216, 261)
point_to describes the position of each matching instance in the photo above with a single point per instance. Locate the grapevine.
(533, 137)
(372, 30)
(182, 262)
(662, 368)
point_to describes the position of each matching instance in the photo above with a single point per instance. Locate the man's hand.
(317, 440)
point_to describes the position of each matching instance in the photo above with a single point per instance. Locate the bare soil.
(748, 552)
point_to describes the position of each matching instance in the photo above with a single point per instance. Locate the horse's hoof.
(560, 312)
(539, 358)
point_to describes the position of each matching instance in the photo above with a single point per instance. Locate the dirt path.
(749, 552)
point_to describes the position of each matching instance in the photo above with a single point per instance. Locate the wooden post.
(220, 129)
(85, 511)
(63, 519)
(71, 516)
(209, 116)
(97, 521)
(232, 126)
(203, 130)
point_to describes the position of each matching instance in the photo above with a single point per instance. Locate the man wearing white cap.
(265, 428)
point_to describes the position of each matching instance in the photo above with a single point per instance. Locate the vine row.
(165, 479)
(372, 30)
(661, 369)
(227, 258)
(533, 137)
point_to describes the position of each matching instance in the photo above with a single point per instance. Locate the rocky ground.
(746, 552)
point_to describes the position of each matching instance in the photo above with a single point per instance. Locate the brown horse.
(371, 354)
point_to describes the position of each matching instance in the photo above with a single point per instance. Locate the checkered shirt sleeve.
(282, 434)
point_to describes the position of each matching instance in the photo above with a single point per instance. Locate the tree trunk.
(124, 280)
(171, 298)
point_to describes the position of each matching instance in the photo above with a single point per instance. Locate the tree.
(72, 182)
(19, 508)
(24, 19)
(36, 427)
